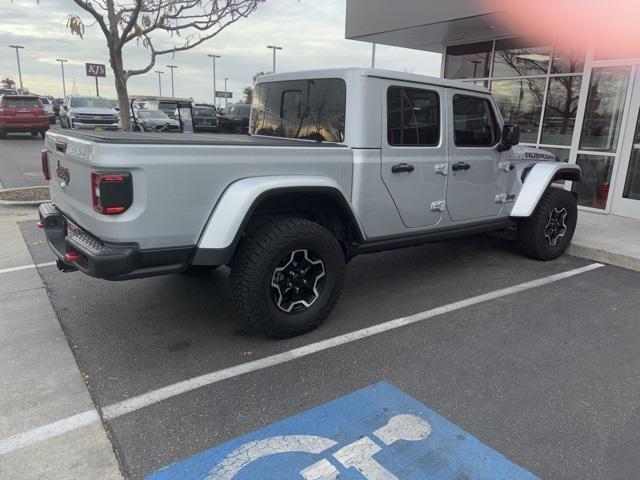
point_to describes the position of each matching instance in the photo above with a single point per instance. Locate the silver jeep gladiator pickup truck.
(338, 163)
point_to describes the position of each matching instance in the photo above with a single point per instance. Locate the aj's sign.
(95, 70)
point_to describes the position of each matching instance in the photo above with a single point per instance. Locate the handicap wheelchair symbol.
(358, 455)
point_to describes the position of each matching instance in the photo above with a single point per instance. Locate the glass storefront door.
(626, 201)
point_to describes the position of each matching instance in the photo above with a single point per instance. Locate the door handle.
(402, 167)
(460, 166)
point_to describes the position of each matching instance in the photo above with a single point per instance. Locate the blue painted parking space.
(377, 433)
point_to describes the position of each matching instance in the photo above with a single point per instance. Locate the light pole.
(213, 57)
(172, 67)
(64, 88)
(274, 48)
(18, 47)
(373, 55)
(225, 92)
(160, 82)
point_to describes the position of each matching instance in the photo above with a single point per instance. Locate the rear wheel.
(43, 133)
(3, 133)
(34, 133)
(548, 232)
(287, 276)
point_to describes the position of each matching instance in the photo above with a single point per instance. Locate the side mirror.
(510, 137)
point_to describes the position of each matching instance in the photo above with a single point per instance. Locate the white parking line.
(26, 267)
(154, 396)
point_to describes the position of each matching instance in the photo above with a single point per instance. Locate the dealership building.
(576, 102)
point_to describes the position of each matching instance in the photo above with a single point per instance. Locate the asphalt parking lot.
(20, 161)
(548, 375)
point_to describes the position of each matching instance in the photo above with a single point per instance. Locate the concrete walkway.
(40, 379)
(607, 239)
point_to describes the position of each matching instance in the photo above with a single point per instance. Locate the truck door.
(475, 178)
(414, 152)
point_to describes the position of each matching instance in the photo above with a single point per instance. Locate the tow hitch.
(64, 268)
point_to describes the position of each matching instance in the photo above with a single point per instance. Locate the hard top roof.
(369, 72)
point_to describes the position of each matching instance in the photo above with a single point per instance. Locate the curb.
(602, 256)
(22, 203)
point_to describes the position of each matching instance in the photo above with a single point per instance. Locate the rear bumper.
(109, 261)
(24, 127)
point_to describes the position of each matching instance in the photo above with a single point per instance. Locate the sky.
(311, 33)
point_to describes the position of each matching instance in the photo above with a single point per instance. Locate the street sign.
(220, 94)
(95, 70)
(378, 433)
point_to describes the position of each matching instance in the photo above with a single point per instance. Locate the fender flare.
(537, 182)
(234, 208)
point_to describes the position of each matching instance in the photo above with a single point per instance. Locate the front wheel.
(547, 233)
(287, 276)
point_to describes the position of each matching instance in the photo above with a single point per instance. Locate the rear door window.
(474, 122)
(413, 117)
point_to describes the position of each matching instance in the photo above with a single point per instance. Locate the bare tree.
(184, 24)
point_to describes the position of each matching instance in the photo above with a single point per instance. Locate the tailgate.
(70, 165)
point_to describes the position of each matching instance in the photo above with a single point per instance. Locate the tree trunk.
(121, 89)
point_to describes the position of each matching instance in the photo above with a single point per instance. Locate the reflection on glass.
(632, 184)
(560, 112)
(517, 57)
(593, 190)
(468, 61)
(306, 109)
(520, 102)
(605, 106)
(568, 59)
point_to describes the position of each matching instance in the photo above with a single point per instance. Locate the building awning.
(422, 24)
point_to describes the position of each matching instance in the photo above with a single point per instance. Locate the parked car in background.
(48, 107)
(57, 103)
(237, 120)
(88, 112)
(8, 91)
(205, 118)
(22, 114)
(154, 121)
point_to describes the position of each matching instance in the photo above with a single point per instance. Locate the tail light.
(44, 157)
(111, 193)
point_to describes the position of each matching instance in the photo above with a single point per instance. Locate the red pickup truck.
(22, 113)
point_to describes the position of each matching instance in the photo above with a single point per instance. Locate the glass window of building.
(413, 117)
(520, 102)
(568, 59)
(593, 190)
(468, 61)
(560, 112)
(632, 182)
(519, 57)
(605, 108)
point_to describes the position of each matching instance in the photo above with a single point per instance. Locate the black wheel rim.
(556, 227)
(298, 281)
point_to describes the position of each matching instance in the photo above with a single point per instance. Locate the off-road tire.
(531, 231)
(252, 269)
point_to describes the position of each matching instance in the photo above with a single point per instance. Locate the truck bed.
(152, 138)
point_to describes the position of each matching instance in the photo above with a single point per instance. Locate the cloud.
(311, 33)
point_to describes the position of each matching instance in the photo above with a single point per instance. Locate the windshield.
(241, 110)
(21, 102)
(307, 109)
(90, 102)
(155, 114)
